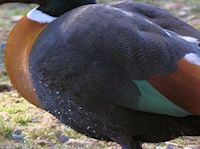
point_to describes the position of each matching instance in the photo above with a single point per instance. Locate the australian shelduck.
(126, 72)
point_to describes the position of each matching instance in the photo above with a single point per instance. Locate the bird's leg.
(132, 145)
(136, 145)
(128, 143)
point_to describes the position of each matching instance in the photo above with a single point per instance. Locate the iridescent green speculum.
(153, 101)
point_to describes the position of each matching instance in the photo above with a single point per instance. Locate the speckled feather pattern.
(83, 67)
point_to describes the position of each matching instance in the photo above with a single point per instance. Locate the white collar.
(39, 16)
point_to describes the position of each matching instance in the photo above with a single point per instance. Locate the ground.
(24, 126)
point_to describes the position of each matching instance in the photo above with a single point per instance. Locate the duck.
(126, 72)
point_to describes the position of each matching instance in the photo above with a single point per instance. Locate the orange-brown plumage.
(17, 57)
(182, 86)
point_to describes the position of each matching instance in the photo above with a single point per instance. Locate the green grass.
(5, 129)
(22, 119)
(4, 78)
(40, 129)
(8, 11)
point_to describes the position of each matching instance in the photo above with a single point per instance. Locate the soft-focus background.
(22, 126)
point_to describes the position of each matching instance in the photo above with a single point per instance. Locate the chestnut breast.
(17, 52)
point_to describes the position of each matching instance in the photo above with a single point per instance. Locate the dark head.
(54, 7)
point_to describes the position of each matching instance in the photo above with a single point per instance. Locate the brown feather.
(17, 57)
(181, 87)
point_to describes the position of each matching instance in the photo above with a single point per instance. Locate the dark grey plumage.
(84, 63)
(158, 16)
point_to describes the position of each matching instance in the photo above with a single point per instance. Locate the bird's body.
(113, 72)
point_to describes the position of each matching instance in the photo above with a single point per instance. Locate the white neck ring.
(39, 16)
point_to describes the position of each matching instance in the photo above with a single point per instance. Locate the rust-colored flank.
(182, 87)
(17, 52)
